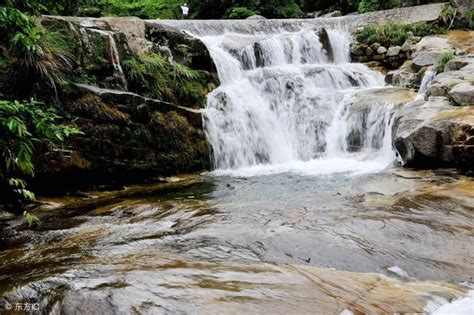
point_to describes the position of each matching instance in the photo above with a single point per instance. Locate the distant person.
(185, 10)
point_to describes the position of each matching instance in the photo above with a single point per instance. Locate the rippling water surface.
(392, 241)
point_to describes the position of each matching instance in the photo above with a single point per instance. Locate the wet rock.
(393, 51)
(406, 46)
(326, 42)
(445, 82)
(404, 76)
(256, 17)
(434, 133)
(358, 49)
(314, 14)
(378, 57)
(381, 50)
(364, 100)
(369, 51)
(332, 14)
(375, 46)
(185, 48)
(463, 94)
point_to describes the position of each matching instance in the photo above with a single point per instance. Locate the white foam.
(350, 165)
(461, 306)
(284, 106)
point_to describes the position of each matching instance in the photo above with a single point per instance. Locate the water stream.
(304, 212)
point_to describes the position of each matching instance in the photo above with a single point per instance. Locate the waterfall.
(114, 56)
(284, 104)
(426, 80)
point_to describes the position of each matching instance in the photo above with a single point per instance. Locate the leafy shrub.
(22, 126)
(391, 33)
(240, 13)
(154, 76)
(37, 56)
(212, 9)
(452, 18)
(148, 9)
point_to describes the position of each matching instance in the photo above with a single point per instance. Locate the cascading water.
(114, 56)
(284, 104)
(426, 80)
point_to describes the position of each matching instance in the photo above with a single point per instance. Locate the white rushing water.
(426, 80)
(284, 105)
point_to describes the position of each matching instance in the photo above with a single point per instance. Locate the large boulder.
(428, 50)
(367, 104)
(434, 133)
(463, 94)
(185, 48)
(366, 99)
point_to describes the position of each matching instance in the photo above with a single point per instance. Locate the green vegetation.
(154, 76)
(442, 60)
(148, 9)
(31, 59)
(24, 125)
(452, 18)
(394, 34)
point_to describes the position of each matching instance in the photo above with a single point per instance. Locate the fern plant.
(22, 126)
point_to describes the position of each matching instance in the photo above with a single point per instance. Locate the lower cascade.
(284, 104)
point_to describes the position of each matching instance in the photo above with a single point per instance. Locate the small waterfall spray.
(426, 80)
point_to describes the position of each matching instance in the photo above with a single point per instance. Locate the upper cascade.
(428, 12)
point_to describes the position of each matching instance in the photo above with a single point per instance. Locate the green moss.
(97, 54)
(179, 145)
